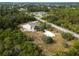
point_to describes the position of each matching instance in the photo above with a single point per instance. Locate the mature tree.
(47, 39)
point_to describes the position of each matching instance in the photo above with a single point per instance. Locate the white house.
(49, 34)
(29, 26)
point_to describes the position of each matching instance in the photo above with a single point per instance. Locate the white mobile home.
(49, 34)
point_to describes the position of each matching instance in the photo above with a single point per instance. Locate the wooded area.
(65, 17)
(12, 41)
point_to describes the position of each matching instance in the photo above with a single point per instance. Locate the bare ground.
(48, 49)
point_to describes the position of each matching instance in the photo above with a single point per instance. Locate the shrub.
(67, 36)
(39, 28)
(72, 52)
(76, 44)
(14, 43)
(47, 40)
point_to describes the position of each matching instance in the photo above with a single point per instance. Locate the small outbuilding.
(48, 33)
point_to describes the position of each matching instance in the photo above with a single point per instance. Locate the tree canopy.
(14, 43)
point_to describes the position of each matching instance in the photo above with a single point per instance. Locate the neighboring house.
(39, 14)
(29, 26)
(48, 33)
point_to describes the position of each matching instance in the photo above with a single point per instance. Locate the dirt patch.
(48, 49)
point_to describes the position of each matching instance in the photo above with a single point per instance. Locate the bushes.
(72, 52)
(47, 40)
(64, 17)
(67, 36)
(45, 26)
(11, 20)
(37, 8)
(76, 44)
(41, 26)
(14, 42)
(60, 53)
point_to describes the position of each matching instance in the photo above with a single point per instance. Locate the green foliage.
(14, 42)
(76, 44)
(29, 49)
(47, 39)
(72, 52)
(37, 8)
(68, 36)
(45, 26)
(60, 53)
(41, 26)
(64, 17)
(11, 19)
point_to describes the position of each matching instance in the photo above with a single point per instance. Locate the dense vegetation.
(12, 41)
(74, 50)
(42, 26)
(12, 17)
(47, 39)
(68, 36)
(65, 17)
(37, 8)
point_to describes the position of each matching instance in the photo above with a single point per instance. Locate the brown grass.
(48, 49)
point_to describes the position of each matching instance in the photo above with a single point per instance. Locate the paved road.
(59, 28)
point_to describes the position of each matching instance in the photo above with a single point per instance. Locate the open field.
(48, 49)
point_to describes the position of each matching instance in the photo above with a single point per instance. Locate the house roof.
(33, 24)
(29, 26)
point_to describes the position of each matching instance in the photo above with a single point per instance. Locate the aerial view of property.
(39, 29)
